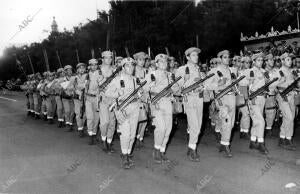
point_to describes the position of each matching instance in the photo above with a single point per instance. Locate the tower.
(54, 26)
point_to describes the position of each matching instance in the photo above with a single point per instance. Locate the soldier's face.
(270, 62)
(140, 62)
(51, 77)
(128, 68)
(69, 72)
(172, 63)
(225, 59)
(288, 62)
(62, 74)
(258, 62)
(162, 64)
(107, 60)
(193, 57)
(94, 66)
(81, 69)
(298, 62)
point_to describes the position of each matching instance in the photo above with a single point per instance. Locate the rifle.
(109, 79)
(164, 92)
(226, 90)
(82, 104)
(261, 90)
(287, 90)
(195, 85)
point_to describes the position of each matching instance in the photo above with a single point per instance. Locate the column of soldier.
(118, 98)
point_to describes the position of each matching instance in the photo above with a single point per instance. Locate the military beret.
(257, 55)
(218, 60)
(51, 73)
(161, 57)
(67, 67)
(147, 56)
(93, 61)
(139, 55)
(285, 55)
(37, 74)
(236, 58)
(45, 73)
(60, 70)
(269, 56)
(80, 64)
(172, 58)
(221, 53)
(106, 54)
(192, 49)
(119, 58)
(127, 60)
(213, 60)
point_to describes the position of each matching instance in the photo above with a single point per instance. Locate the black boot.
(268, 133)
(60, 124)
(130, 160)
(164, 157)
(289, 145)
(192, 155)
(244, 135)
(226, 149)
(253, 145)
(70, 128)
(156, 156)
(218, 136)
(262, 148)
(45, 118)
(92, 140)
(110, 149)
(37, 116)
(281, 143)
(50, 121)
(81, 133)
(28, 113)
(104, 148)
(125, 163)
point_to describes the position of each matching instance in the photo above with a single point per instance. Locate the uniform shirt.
(213, 82)
(258, 80)
(93, 83)
(121, 87)
(288, 77)
(140, 73)
(188, 79)
(272, 74)
(78, 83)
(49, 87)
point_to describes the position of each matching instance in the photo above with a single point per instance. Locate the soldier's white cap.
(236, 58)
(93, 61)
(257, 55)
(67, 67)
(221, 53)
(285, 55)
(80, 64)
(139, 55)
(192, 49)
(119, 58)
(161, 57)
(106, 54)
(51, 73)
(60, 70)
(45, 73)
(171, 58)
(127, 60)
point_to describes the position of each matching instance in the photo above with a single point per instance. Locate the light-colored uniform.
(129, 126)
(107, 118)
(41, 87)
(51, 104)
(287, 107)
(58, 99)
(193, 101)
(140, 74)
(36, 98)
(257, 105)
(67, 101)
(226, 117)
(162, 111)
(78, 82)
(91, 102)
(244, 90)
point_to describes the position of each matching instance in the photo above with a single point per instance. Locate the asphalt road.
(39, 158)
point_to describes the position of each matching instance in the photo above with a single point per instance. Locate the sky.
(27, 21)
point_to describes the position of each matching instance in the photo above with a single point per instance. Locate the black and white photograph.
(150, 97)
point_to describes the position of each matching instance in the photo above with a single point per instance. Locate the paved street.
(39, 158)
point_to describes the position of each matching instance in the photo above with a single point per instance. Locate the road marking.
(8, 99)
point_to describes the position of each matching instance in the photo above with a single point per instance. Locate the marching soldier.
(120, 88)
(58, 97)
(50, 92)
(162, 110)
(78, 83)
(193, 102)
(41, 88)
(270, 106)
(91, 103)
(36, 96)
(30, 85)
(140, 73)
(244, 91)
(286, 106)
(257, 105)
(107, 118)
(226, 115)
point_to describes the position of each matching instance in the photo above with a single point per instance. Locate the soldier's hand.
(222, 81)
(197, 79)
